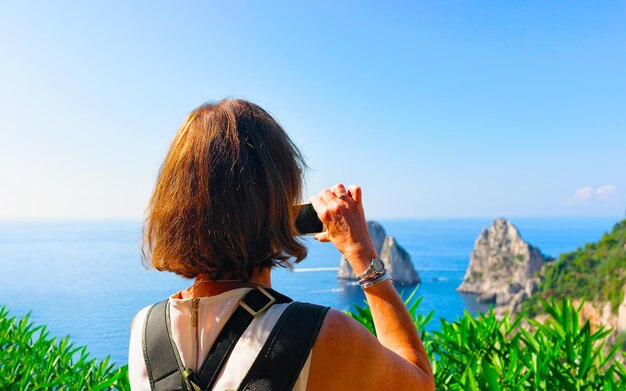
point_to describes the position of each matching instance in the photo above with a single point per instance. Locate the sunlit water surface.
(85, 278)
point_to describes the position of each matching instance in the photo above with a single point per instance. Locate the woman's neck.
(203, 287)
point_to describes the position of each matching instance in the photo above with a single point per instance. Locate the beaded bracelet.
(373, 281)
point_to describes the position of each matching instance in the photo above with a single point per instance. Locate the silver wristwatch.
(376, 268)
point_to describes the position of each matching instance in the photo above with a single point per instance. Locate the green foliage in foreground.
(597, 270)
(31, 360)
(485, 353)
(481, 353)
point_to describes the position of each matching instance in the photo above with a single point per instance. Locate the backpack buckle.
(190, 381)
(252, 312)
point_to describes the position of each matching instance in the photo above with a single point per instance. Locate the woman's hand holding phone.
(341, 211)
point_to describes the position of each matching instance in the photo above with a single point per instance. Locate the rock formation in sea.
(397, 259)
(502, 267)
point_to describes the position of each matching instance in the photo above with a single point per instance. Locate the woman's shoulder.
(365, 363)
(340, 333)
(341, 338)
(345, 343)
(139, 318)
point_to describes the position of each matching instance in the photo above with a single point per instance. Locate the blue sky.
(439, 109)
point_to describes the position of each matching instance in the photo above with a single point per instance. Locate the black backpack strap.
(163, 363)
(162, 358)
(250, 306)
(278, 365)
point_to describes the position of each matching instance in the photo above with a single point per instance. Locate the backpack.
(277, 366)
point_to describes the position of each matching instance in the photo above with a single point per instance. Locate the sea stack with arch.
(397, 260)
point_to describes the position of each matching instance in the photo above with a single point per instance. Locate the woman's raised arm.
(346, 355)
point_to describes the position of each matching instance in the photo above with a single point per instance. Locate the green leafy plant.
(31, 360)
(487, 353)
(471, 353)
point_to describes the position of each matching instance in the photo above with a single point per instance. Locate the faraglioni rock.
(397, 260)
(502, 267)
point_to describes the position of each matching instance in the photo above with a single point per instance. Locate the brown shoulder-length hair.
(223, 200)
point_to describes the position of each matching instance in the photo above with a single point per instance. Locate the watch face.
(377, 265)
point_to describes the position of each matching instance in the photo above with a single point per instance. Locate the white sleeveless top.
(213, 312)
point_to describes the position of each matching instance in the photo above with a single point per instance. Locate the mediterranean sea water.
(85, 278)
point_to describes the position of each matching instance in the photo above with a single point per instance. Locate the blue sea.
(85, 278)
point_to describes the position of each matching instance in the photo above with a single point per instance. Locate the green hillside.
(596, 271)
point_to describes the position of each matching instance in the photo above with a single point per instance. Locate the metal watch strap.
(370, 272)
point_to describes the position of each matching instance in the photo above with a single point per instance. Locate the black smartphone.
(307, 222)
